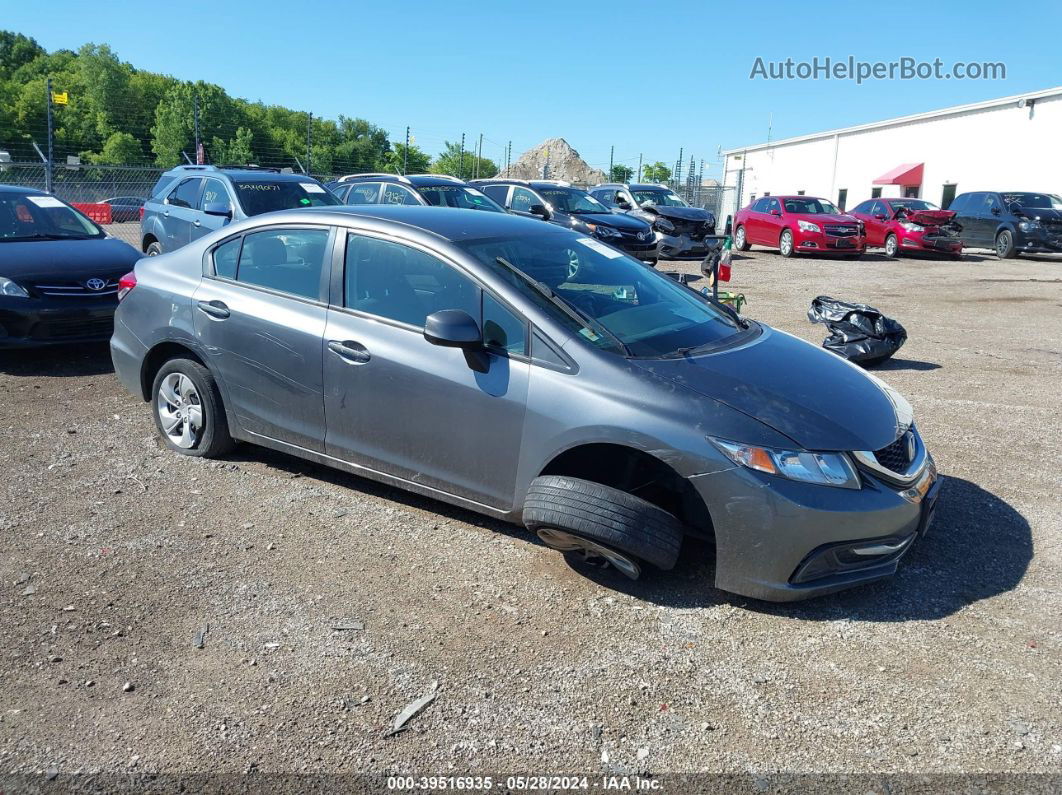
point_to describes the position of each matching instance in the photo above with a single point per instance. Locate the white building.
(1013, 143)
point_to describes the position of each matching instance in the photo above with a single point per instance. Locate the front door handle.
(215, 309)
(196, 222)
(349, 351)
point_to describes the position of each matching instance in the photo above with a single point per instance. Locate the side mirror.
(223, 209)
(453, 328)
(880, 216)
(995, 211)
(623, 204)
(776, 212)
(539, 210)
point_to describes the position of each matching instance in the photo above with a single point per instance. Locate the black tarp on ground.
(858, 332)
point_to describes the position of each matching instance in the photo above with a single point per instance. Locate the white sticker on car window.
(600, 247)
(46, 201)
(473, 191)
(309, 187)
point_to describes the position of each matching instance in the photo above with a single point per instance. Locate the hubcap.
(741, 237)
(590, 550)
(180, 410)
(890, 246)
(787, 243)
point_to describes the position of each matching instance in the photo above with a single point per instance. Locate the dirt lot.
(116, 554)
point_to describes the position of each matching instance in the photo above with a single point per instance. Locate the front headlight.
(1030, 226)
(825, 469)
(663, 225)
(910, 227)
(603, 231)
(11, 290)
(807, 226)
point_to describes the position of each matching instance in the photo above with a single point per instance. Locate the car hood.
(1042, 213)
(929, 217)
(625, 222)
(816, 398)
(681, 213)
(66, 259)
(826, 218)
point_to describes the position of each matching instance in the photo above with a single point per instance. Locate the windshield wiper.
(570, 310)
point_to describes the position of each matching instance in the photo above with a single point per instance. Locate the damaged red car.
(910, 225)
(798, 225)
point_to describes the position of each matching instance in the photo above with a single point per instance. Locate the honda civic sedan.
(536, 375)
(59, 272)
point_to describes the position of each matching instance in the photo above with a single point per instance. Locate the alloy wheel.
(785, 245)
(739, 236)
(890, 246)
(180, 410)
(1002, 244)
(590, 550)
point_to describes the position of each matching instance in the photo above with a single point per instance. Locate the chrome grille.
(77, 289)
(841, 230)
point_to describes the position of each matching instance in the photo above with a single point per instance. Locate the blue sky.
(642, 77)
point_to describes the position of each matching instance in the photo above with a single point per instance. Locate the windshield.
(660, 197)
(810, 207)
(1034, 201)
(458, 196)
(570, 200)
(264, 196)
(624, 304)
(912, 204)
(38, 217)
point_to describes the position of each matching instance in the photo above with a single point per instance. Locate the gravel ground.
(167, 614)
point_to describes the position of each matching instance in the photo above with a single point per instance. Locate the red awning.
(907, 174)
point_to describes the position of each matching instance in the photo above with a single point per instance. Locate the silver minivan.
(536, 375)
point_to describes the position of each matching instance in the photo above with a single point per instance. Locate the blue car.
(191, 201)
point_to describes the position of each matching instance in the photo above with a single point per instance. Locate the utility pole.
(678, 168)
(195, 122)
(611, 156)
(639, 168)
(48, 167)
(405, 153)
(508, 158)
(461, 168)
(309, 143)
(479, 157)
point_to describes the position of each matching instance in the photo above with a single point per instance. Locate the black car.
(681, 229)
(59, 272)
(124, 208)
(1011, 223)
(435, 190)
(572, 208)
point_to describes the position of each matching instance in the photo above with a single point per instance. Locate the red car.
(799, 225)
(900, 225)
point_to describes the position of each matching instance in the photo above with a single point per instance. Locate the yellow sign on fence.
(60, 99)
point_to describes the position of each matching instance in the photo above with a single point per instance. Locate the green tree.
(16, 51)
(235, 151)
(174, 130)
(620, 173)
(460, 164)
(656, 172)
(120, 149)
(418, 161)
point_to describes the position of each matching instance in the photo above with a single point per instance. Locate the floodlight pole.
(48, 166)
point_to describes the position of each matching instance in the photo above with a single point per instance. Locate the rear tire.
(1005, 248)
(741, 242)
(153, 249)
(203, 401)
(606, 516)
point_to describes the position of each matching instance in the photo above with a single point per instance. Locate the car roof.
(261, 174)
(21, 189)
(448, 223)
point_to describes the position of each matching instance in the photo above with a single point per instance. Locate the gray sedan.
(532, 374)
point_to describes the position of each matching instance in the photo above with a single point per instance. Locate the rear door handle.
(196, 222)
(215, 309)
(349, 351)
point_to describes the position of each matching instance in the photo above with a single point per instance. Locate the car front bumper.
(672, 246)
(33, 322)
(819, 242)
(942, 244)
(781, 541)
(1038, 244)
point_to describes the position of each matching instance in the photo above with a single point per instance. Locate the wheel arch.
(636, 472)
(147, 240)
(158, 356)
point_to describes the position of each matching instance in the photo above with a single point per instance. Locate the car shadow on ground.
(59, 361)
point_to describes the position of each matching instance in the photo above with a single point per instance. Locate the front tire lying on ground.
(574, 515)
(188, 411)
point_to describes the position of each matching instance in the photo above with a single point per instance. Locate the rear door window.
(287, 260)
(226, 257)
(186, 194)
(497, 192)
